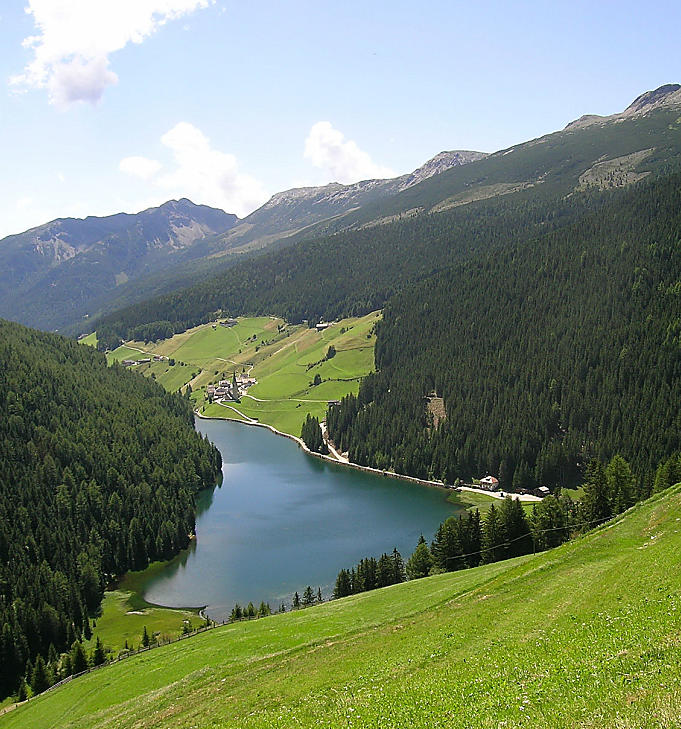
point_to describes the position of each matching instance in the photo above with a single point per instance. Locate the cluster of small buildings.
(489, 483)
(230, 389)
(144, 360)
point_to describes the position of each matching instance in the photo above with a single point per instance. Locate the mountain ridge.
(667, 95)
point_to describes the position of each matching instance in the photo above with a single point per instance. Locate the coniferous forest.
(98, 473)
(548, 353)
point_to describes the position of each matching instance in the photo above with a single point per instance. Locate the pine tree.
(595, 504)
(237, 613)
(493, 536)
(98, 655)
(515, 528)
(296, 601)
(145, 638)
(342, 588)
(399, 573)
(308, 597)
(420, 562)
(39, 680)
(620, 484)
(78, 658)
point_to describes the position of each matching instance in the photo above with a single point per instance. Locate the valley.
(285, 360)
(509, 320)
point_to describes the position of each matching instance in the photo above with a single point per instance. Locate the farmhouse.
(322, 326)
(229, 323)
(128, 362)
(489, 483)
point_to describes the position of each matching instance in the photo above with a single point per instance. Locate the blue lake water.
(282, 520)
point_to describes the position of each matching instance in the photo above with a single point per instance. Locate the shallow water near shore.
(282, 520)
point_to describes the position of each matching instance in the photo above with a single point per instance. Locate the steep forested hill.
(546, 352)
(350, 273)
(352, 263)
(98, 471)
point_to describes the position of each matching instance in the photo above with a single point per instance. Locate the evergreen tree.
(596, 504)
(78, 658)
(420, 562)
(296, 601)
(343, 587)
(399, 573)
(22, 693)
(146, 640)
(308, 597)
(237, 613)
(621, 481)
(515, 528)
(493, 536)
(98, 655)
(39, 680)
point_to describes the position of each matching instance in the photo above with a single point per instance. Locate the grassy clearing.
(90, 340)
(125, 613)
(283, 358)
(586, 635)
(471, 500)
(123, 619)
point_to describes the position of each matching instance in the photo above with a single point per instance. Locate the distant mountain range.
(50, 274)
(57, 273)
(62, 274)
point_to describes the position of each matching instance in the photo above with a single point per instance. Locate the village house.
(489, 483)
(229, 323)
(128, 362)
(322, 326)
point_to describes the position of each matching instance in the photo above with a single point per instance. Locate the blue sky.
(122, 104)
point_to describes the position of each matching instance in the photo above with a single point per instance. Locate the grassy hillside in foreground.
(586, 635)
(283, 358)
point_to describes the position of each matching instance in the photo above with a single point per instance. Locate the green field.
(283, 358)
(123, 620)
(90, 340)
(586, 635)
(472, 500)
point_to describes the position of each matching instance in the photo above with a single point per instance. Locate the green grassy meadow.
(90, 340)
(586, 635)
(283, 358)
(472, 500)
(123, 620)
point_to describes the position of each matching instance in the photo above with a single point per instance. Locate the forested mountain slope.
(350, 273)
(56, 273)
(353, 263)
(98, 472)
(585, 635)
(547, 352)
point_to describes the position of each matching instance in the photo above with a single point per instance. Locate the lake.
(282, 520)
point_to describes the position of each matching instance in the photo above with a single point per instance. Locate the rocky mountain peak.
(439, 164)
(667, 95)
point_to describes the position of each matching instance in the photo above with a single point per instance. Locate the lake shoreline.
(331, 459)
(369, 469)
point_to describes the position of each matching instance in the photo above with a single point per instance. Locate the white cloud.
(202, 173)
(75, 38)
(141, 167)
(328, 149)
